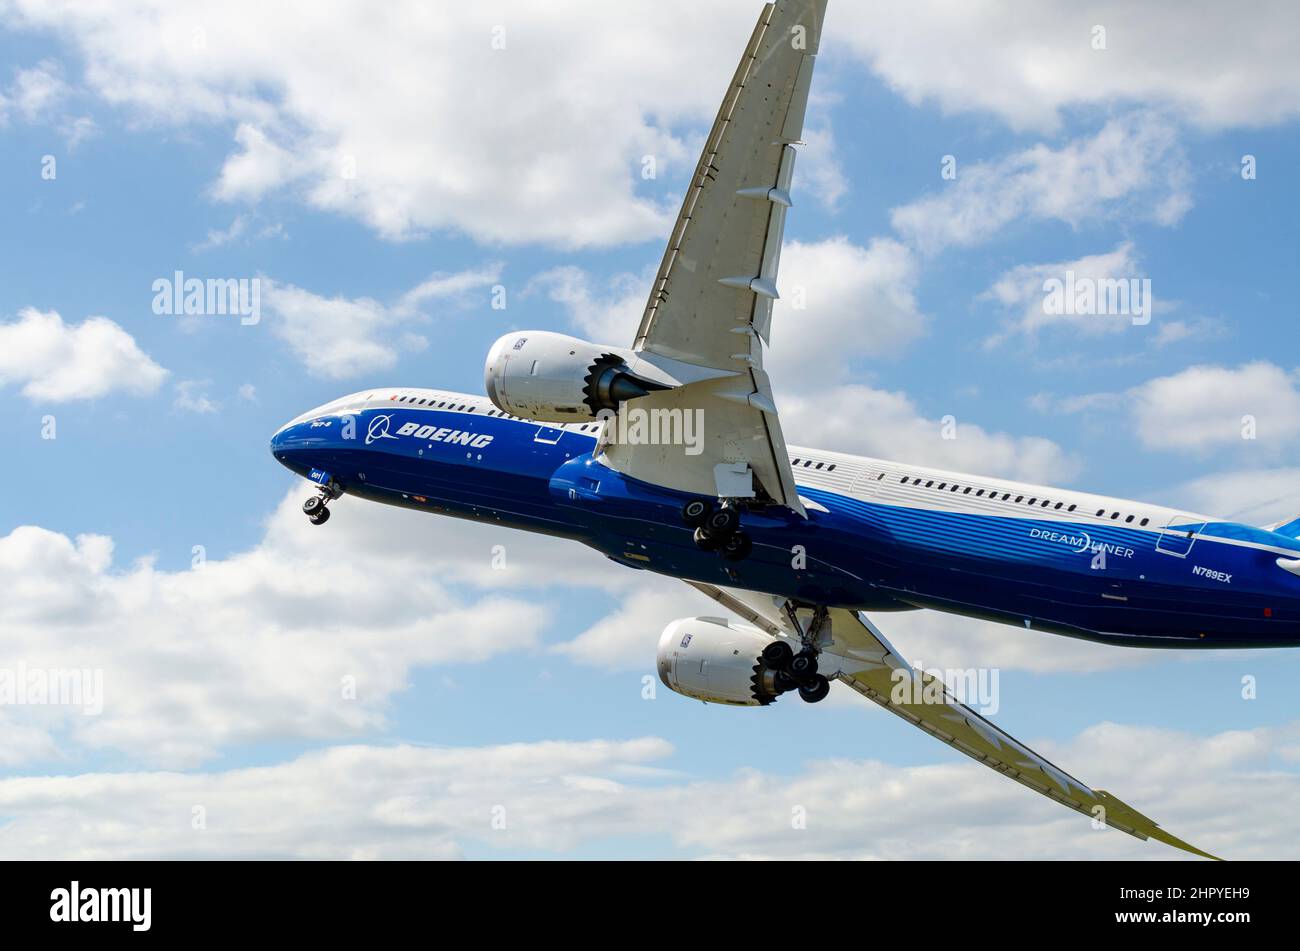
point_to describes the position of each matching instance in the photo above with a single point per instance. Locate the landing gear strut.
(717, 528)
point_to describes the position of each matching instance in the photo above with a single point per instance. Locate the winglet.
(1119, 813)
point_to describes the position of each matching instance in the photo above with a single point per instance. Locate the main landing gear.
(717, 528)
(797, 671)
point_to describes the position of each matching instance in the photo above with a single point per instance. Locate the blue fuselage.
(1219, 586)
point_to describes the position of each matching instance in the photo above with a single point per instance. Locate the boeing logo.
(453, 437)
(378, 429)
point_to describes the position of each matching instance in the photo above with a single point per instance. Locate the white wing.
(711, 304)
(871, 666)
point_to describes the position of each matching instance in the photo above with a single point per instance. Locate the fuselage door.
(868, 482)
(1178, 537)
(548, 435)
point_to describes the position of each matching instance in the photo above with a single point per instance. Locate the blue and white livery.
(668, 456)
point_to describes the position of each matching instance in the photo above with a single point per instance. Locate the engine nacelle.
(554, 378)
(710, 659)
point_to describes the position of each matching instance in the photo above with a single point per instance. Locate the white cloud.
(1020, 291)
(1174, 331)
(37, 95)
(412, 802)
(192, 397)
(833, 419)
(1253, 409)
(339, 337)
(24, 742)
(37, 91)
(610, 314)
(1254, 496)
(1132, 167)
(1205, 407)
(256, 646)
(57, 362)
(505, 164)
(359, 802)
(841, 302)
(819, 173)
(541, 141)
(259, 167)
(217, 237)
(1028, 63)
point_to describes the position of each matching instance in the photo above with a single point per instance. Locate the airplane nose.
(287, 437)
(279, 440)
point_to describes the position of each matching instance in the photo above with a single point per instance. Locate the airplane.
(668, 456)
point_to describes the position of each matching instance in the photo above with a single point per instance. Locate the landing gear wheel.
(804, 666)
(736, 546)
(313, 506)
(722, 522)
(706, 542)
(777, 655)
(696, 511)
(321, 517)
(816, 691)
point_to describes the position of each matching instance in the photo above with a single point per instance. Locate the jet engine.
(713, 660)
(554, 378)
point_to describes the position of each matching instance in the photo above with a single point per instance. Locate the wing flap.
(737, 426)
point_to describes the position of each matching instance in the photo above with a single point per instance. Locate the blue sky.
(186, 139)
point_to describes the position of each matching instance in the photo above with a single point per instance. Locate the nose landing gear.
(316, 508)
(717, 529)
